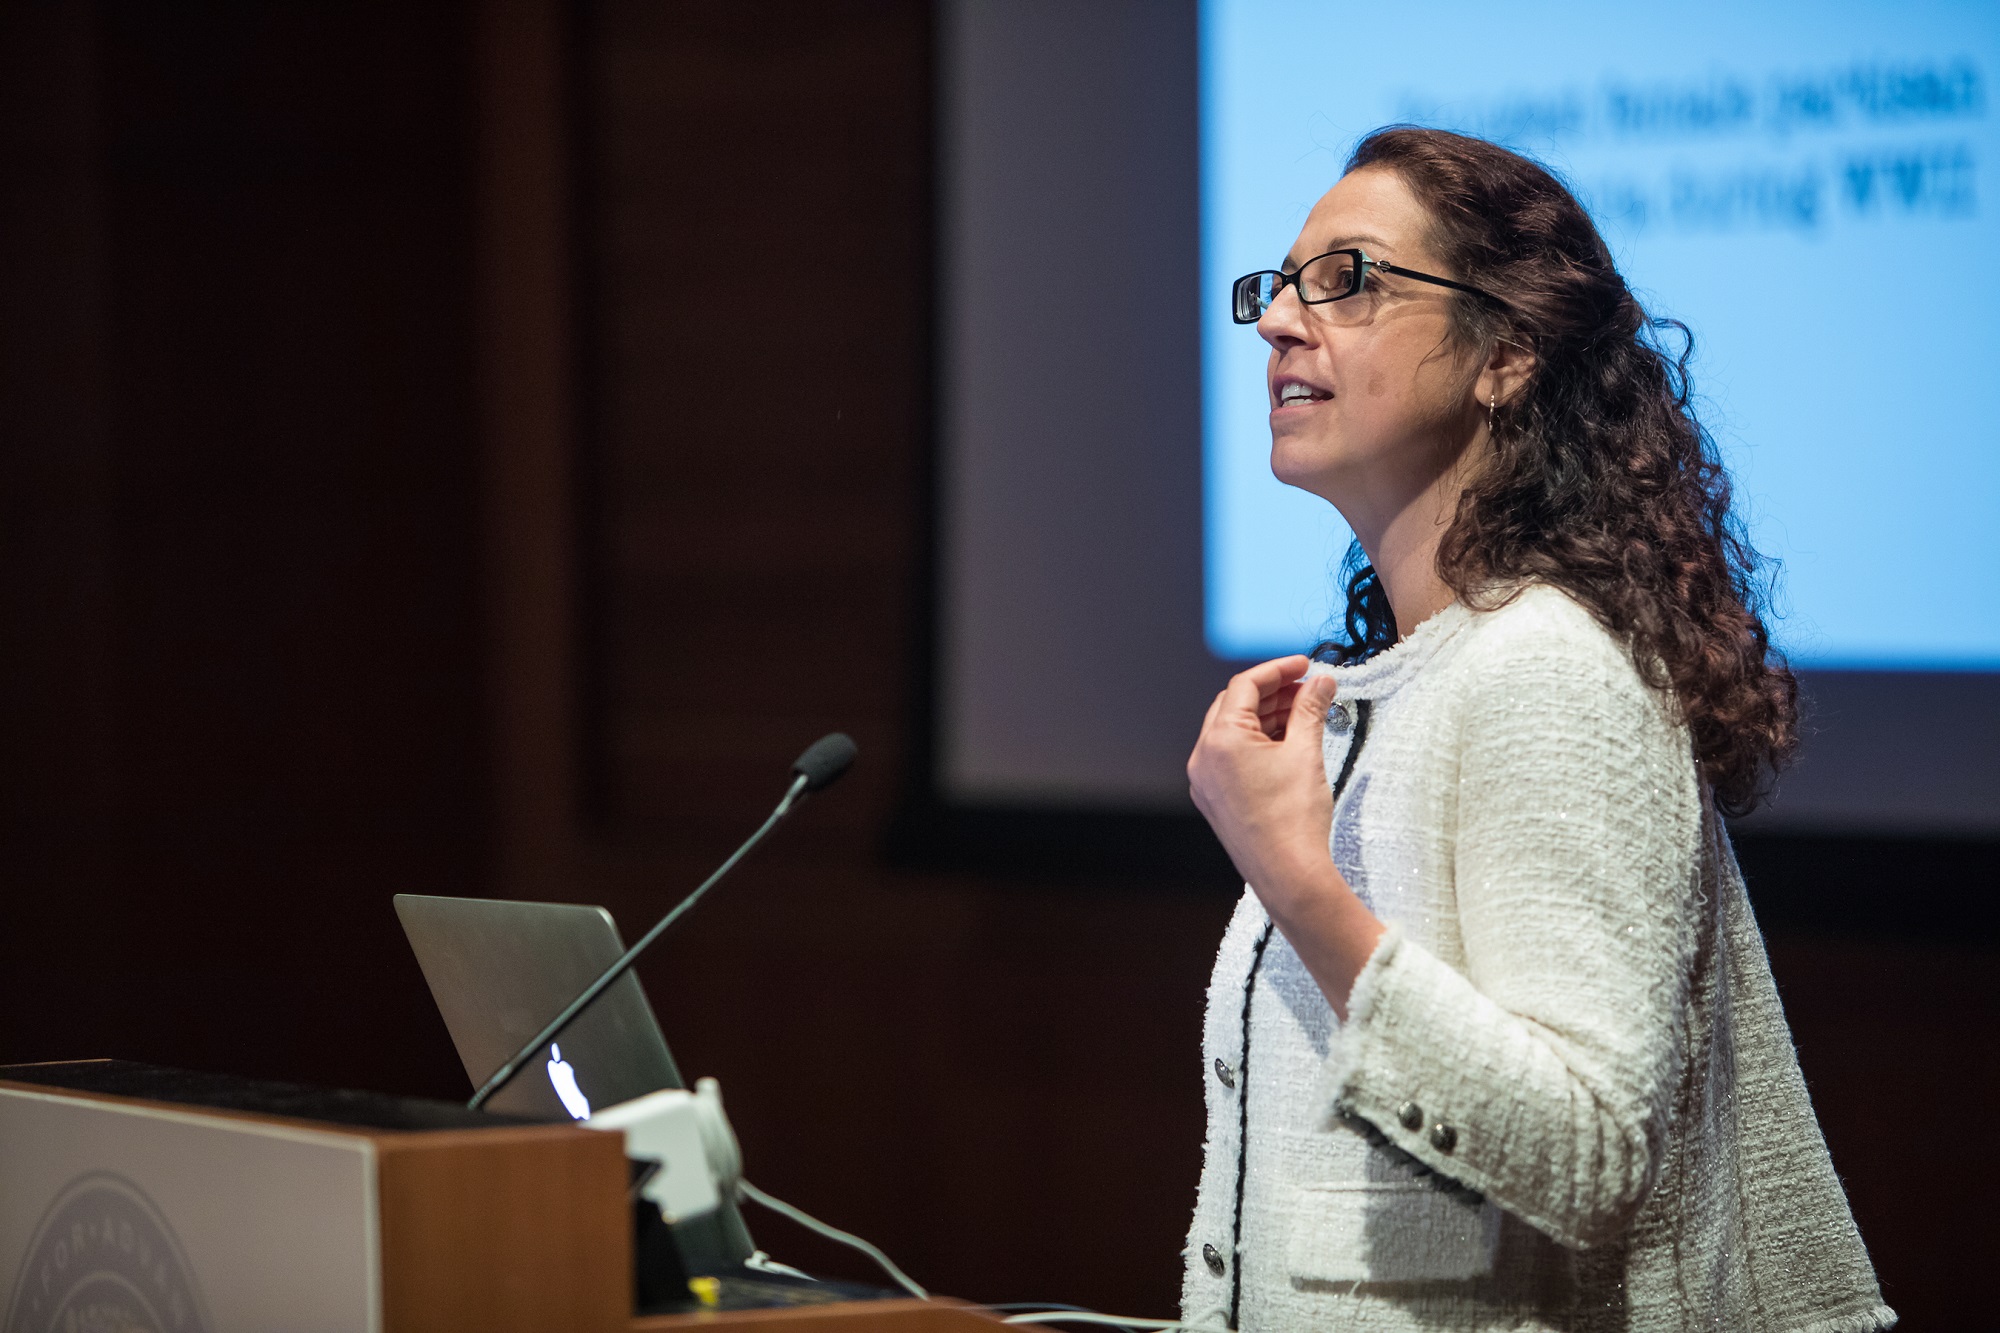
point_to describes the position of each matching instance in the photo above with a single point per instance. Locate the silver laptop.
(500, 971)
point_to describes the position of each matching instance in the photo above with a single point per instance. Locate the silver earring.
(1492, 409)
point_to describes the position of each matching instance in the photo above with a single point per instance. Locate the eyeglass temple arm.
(1402, 272)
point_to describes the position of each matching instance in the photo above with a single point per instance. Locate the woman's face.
(1389, 395)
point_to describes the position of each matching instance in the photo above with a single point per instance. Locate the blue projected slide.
(1813, 187)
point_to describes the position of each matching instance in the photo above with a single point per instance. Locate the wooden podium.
(135, 1197)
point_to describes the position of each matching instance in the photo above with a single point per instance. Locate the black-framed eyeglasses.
(1333, 276)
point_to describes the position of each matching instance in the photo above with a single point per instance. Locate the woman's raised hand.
(1257, 776)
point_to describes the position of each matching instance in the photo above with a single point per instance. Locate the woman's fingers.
(1275, 710)
(1254, 689)
(1279, 699)
(1276, 674)
(1277, 684)
(1264, 795)
(1260, 698)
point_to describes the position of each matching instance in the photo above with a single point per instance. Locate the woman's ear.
(1509, 366)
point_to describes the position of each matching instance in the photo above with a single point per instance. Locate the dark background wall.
(471, 450)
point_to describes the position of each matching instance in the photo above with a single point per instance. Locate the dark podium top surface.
(224, 1092)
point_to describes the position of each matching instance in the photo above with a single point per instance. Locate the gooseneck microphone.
(815, 770)
(824, 761)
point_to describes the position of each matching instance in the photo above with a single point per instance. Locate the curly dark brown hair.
(1601, 481)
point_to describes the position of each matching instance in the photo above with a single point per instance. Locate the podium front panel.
(197, 1223)
(152, 1200)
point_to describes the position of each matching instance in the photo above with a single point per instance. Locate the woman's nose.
(1283, 322)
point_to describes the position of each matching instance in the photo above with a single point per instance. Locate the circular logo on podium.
(104, 1260)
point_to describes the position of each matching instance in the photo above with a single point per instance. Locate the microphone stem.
(505, 1073)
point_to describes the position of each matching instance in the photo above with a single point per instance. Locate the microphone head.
(825, 760)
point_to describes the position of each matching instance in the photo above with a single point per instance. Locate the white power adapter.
(689, 1136)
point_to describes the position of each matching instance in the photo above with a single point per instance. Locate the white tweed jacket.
(1565, 1097)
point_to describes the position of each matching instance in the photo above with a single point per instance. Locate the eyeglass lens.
(1329, 277)
(1325, 278)
(1254, 295)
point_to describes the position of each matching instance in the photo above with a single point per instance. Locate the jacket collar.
(1385, 673)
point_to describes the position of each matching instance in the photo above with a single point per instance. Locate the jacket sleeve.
(1543, 1075)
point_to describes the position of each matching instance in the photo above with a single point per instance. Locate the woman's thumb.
(1309, 707)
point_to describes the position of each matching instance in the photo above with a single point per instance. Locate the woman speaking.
(1491, 1039)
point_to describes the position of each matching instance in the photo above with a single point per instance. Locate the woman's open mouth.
(1293, 393)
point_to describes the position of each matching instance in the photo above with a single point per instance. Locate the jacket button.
(1411, 1114)
(1224, 1073)
(1443, 1137)
(1213, 1258)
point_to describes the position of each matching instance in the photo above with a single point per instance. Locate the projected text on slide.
(1810, 187)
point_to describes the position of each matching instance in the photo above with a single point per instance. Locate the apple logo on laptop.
(563, 1076)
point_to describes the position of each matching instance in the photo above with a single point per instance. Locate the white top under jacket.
(1565, 1096)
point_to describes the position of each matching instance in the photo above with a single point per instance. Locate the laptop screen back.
(501, 970)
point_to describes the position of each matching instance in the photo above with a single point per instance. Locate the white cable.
(909, 1284)
(761, 1262)
(807, 1220)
